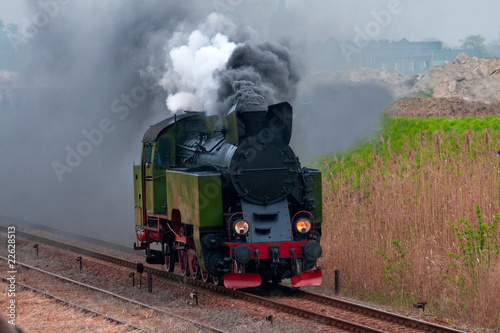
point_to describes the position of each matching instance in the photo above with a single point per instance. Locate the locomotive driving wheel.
(169, 258)
(183, 262)
(193, 263)
(204, 275)
(217, 280)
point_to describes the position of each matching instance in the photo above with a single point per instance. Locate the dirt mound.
(468, 78)
(453, 107)
(466, 87)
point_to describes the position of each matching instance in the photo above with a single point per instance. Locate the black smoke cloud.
(79, 116)
(258, 75)
(332, 116)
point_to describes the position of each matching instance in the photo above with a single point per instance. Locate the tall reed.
(392, 208)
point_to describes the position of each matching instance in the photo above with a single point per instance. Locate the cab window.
(164, 158)
(148, 149)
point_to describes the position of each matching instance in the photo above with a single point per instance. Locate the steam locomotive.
(227, 199)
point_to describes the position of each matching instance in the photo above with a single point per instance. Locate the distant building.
(407, 57)
(403, 56)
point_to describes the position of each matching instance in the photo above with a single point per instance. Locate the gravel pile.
(467, 78)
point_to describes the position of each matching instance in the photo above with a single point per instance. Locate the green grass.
(400, 134)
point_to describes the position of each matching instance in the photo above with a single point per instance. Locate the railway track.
(74, 305)
(98, 293)
(316, 300)
(375, 320)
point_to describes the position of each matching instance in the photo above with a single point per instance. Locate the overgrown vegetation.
(477, 251)
(397, 212)
(395, 267)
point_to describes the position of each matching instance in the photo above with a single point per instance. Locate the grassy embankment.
(411, 215)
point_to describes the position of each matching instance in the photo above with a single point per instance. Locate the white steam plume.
(183, 101)
(191, 63)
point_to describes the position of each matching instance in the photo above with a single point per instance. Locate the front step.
(309, 278)
(242, 280)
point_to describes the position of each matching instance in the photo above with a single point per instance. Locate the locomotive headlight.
(241, 227)
(303, 225)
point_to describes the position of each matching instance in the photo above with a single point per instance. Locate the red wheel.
(217, 280)
(204, 275)
(193, 264)
(183, 262)
(169, 259)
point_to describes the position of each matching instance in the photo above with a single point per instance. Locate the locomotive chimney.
(242, 123)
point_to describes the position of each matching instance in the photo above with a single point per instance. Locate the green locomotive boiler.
(227, 199)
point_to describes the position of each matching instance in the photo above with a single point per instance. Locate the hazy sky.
(447, 20)
(11, 10)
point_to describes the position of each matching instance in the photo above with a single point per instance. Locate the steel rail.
(74, 305)
(81, 284)
(376, 313)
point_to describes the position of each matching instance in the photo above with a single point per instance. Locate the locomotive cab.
(232, 203)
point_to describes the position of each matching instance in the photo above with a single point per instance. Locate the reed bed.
(411, 215)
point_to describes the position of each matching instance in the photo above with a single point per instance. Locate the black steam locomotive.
(228, 200)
